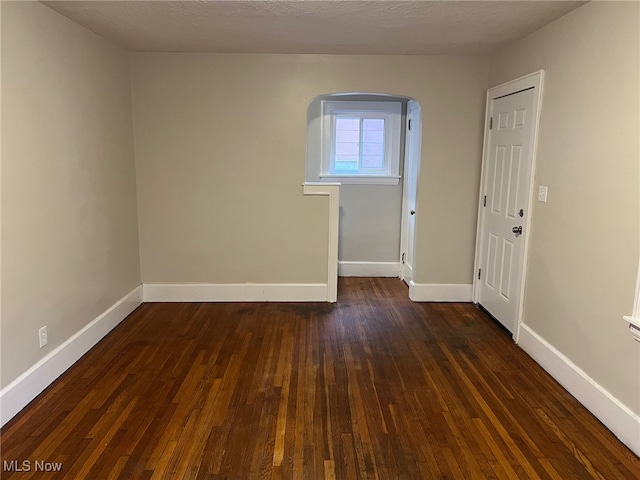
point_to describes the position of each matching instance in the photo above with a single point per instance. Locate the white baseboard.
(368, 269)
(436, 292)
(618, 418)
(15, 396)
(406, 272)
(235, 292)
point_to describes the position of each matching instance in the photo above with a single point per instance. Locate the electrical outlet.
(42, 334)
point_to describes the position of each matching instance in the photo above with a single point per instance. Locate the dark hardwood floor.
(373, 387)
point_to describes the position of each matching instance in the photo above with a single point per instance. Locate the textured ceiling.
(314, 26)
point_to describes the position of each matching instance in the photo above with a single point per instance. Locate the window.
(361, 142)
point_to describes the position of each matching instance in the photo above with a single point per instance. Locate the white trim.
(536, 80)
(616, 416)
(634, 318)
(434, 292)
(413, 114)
(15, 396)
(361, 179)
(332, 190)
(634, 328)
(368, 269)
(406, 273)
(235, 292)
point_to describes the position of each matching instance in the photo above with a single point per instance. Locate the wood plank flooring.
(375, 387)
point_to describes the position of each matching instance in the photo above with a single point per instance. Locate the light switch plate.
(542, 194)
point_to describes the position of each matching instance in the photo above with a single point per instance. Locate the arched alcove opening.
(376, 223)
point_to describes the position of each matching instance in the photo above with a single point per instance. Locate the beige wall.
(220, 156)
(69, 223)
(584, 241)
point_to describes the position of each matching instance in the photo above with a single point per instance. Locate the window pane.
(347, 123)
(348, 136)
(373, 124)
(373, 143)
(347, 144)
(372, 137)
(373, 148)
(373, 161)
(346, 163)
(345, 148)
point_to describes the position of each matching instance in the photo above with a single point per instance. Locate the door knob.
(517, 230)
(412, 212)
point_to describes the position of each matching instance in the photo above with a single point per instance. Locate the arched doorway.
(377, 221)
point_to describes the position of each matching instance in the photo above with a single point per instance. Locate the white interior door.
(506, 198)
(410, 189)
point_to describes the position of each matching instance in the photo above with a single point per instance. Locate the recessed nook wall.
(370, 215)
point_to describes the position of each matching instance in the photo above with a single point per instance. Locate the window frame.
(391, 112)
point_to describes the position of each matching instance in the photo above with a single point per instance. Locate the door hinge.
(479, 272)
(484, 203)
(409, 124)
(403, 257)
(491, 123)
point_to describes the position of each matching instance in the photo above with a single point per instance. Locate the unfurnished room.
(320, 239)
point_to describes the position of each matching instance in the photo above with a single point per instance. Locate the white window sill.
(362, 179)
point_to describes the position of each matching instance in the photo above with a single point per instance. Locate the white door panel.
(507, 189)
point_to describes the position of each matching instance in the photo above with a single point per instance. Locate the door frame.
(416, 136)
(535, 80)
